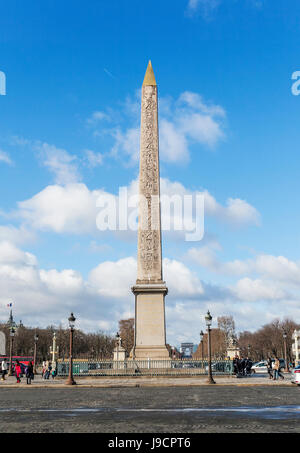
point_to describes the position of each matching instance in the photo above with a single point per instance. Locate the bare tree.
(97, 345)
(268, 340)
(218, 345)
(126, 330)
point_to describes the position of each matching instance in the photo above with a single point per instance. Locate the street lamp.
(54, 350)
(70, 380)
(36, 337)
(208, 321)
(201, 341)
(12, 331)
(285, 353)
(118, 344)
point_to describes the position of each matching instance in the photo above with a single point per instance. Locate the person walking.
(279, 370)
(29, 373)
(243, 366)
(269, 368)
(44, 368)
(235, 365)
(48, 370)
(3, 369)
(276, 369)
(54, 370)
(249, 364)
(18, 371)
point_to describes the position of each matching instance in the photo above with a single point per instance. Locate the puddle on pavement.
(270, 412)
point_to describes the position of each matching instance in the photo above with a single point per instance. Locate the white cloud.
(127, 143)
(180, 279)
(97, 117)
(16, 235)
(63, 165)
(4, 157)
(255, 290)
(274, 268)
(188, 120)
(93, 159)
(205, 6)
(113, 279)
(72, 208)
(195, 101)
(9, 253)
(47, 296)
(42, 297)
(279, 268)
(68, 281)
(173, 143)
(205, 256)
(183, 122)
(237, 212)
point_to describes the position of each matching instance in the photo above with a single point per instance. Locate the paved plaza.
(157, 405)
(159, 381)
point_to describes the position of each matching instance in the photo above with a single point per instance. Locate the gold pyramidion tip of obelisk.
(149, 76)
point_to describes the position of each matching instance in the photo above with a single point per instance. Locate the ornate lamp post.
(12, 330)
(70, 380)
(54, 350)
(208, 321)
(285, 352)
(201, 341)
(118, 344)
(249, 347)
(36, 337)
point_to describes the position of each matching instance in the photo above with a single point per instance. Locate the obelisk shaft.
(149, 235)
(150, 290)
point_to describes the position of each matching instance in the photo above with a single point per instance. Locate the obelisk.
(150, 289)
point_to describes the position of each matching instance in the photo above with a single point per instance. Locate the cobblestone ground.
(189, 409)
(106, 381)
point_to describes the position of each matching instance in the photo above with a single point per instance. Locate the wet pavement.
(151, 410)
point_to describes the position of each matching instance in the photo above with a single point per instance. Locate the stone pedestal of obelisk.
(150, 289)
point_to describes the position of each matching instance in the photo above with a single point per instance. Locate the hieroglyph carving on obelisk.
(149, 235)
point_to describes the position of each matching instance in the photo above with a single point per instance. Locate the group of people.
(48, 369)
(18, 371)
(242, 366)
(274, 369)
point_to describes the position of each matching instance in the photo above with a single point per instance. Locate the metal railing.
(166, 367)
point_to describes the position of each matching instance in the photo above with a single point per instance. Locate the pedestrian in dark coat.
(279, 370)
(248, 366)
(235, 365)
(269, 368)
(240, 366)
(29, 373)
(243, 365)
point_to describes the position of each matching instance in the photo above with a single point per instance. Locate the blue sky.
(229, 127)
